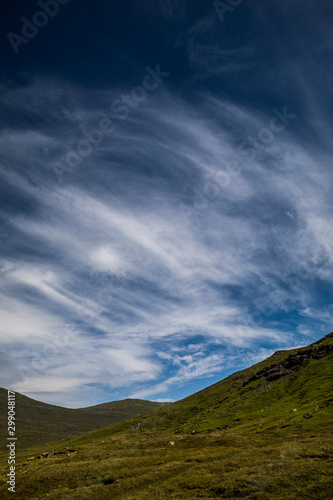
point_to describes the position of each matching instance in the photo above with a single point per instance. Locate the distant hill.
(264, 433)
(38, 422)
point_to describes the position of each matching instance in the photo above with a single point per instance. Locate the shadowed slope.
(38, 422)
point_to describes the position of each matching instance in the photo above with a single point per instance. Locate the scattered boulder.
(109, 480)
(294, 409)
(171, 442)
(31, 458)
(66, 452)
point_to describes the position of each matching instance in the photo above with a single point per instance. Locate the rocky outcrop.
(292, 363)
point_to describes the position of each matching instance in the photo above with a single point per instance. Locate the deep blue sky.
(166, 207)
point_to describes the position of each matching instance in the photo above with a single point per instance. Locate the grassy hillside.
(262, 433)
(38, 423)
(263, 395)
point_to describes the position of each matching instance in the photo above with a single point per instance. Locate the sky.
(166, 192)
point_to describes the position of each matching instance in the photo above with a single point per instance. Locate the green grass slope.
(239, 438)
(38, 422)
(263, 395)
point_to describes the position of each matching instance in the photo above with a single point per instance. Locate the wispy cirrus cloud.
(165, 274)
